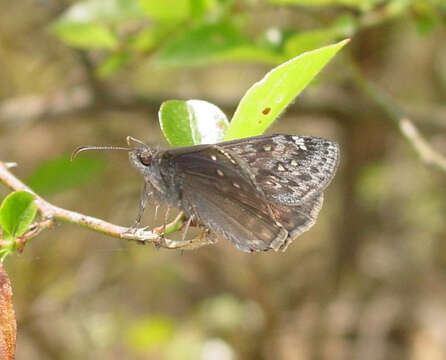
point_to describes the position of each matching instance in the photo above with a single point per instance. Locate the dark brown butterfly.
(259, 192)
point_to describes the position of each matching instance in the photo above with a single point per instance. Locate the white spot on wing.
(299, 142)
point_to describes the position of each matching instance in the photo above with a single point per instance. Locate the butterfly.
(259, 192)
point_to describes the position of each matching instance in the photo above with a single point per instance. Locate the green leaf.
(113, 63)
(60, 174)
(201, 45)
(149, 38)
(88, 24)
(266, 99)
(150, 332)
(85, 35)
(17, 212)
(166, 10)
(192, 122)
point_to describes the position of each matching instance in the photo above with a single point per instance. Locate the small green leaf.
(166, 10)
(85, 35)
(192, 122)
(145, 40)
(148, 38)
(17, 212)
(60, 173)
(201, 45)
(113, 63)
(266, 99)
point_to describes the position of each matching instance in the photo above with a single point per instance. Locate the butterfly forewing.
(223, 198)
(290, 169)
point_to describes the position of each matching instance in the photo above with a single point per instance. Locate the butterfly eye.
(145, 159)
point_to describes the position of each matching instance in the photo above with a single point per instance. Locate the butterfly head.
(140, 154)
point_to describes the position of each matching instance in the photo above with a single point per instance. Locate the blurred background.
(368, 281)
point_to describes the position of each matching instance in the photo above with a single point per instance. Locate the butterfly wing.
(223, 198)
(259, 192)
(298, 218)
(290, 169)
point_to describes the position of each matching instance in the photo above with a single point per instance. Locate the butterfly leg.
(145, 195)
(186, 228)
(157, 206)
(166, 216)
(192, 244)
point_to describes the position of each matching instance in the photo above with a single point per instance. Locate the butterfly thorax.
(159, 179)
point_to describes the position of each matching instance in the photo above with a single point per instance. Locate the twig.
(395, 113)
(50, 213)
(422, 147)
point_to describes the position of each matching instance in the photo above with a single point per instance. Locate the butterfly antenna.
(88, 147)
(131, 138)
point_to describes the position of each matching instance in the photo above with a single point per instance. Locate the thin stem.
(398, 116)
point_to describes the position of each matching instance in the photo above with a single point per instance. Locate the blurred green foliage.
(60, 173)
(150, 332)
(198, 32)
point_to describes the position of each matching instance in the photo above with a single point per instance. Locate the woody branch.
(50, 214)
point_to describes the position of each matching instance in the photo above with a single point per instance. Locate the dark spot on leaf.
(266, 111)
